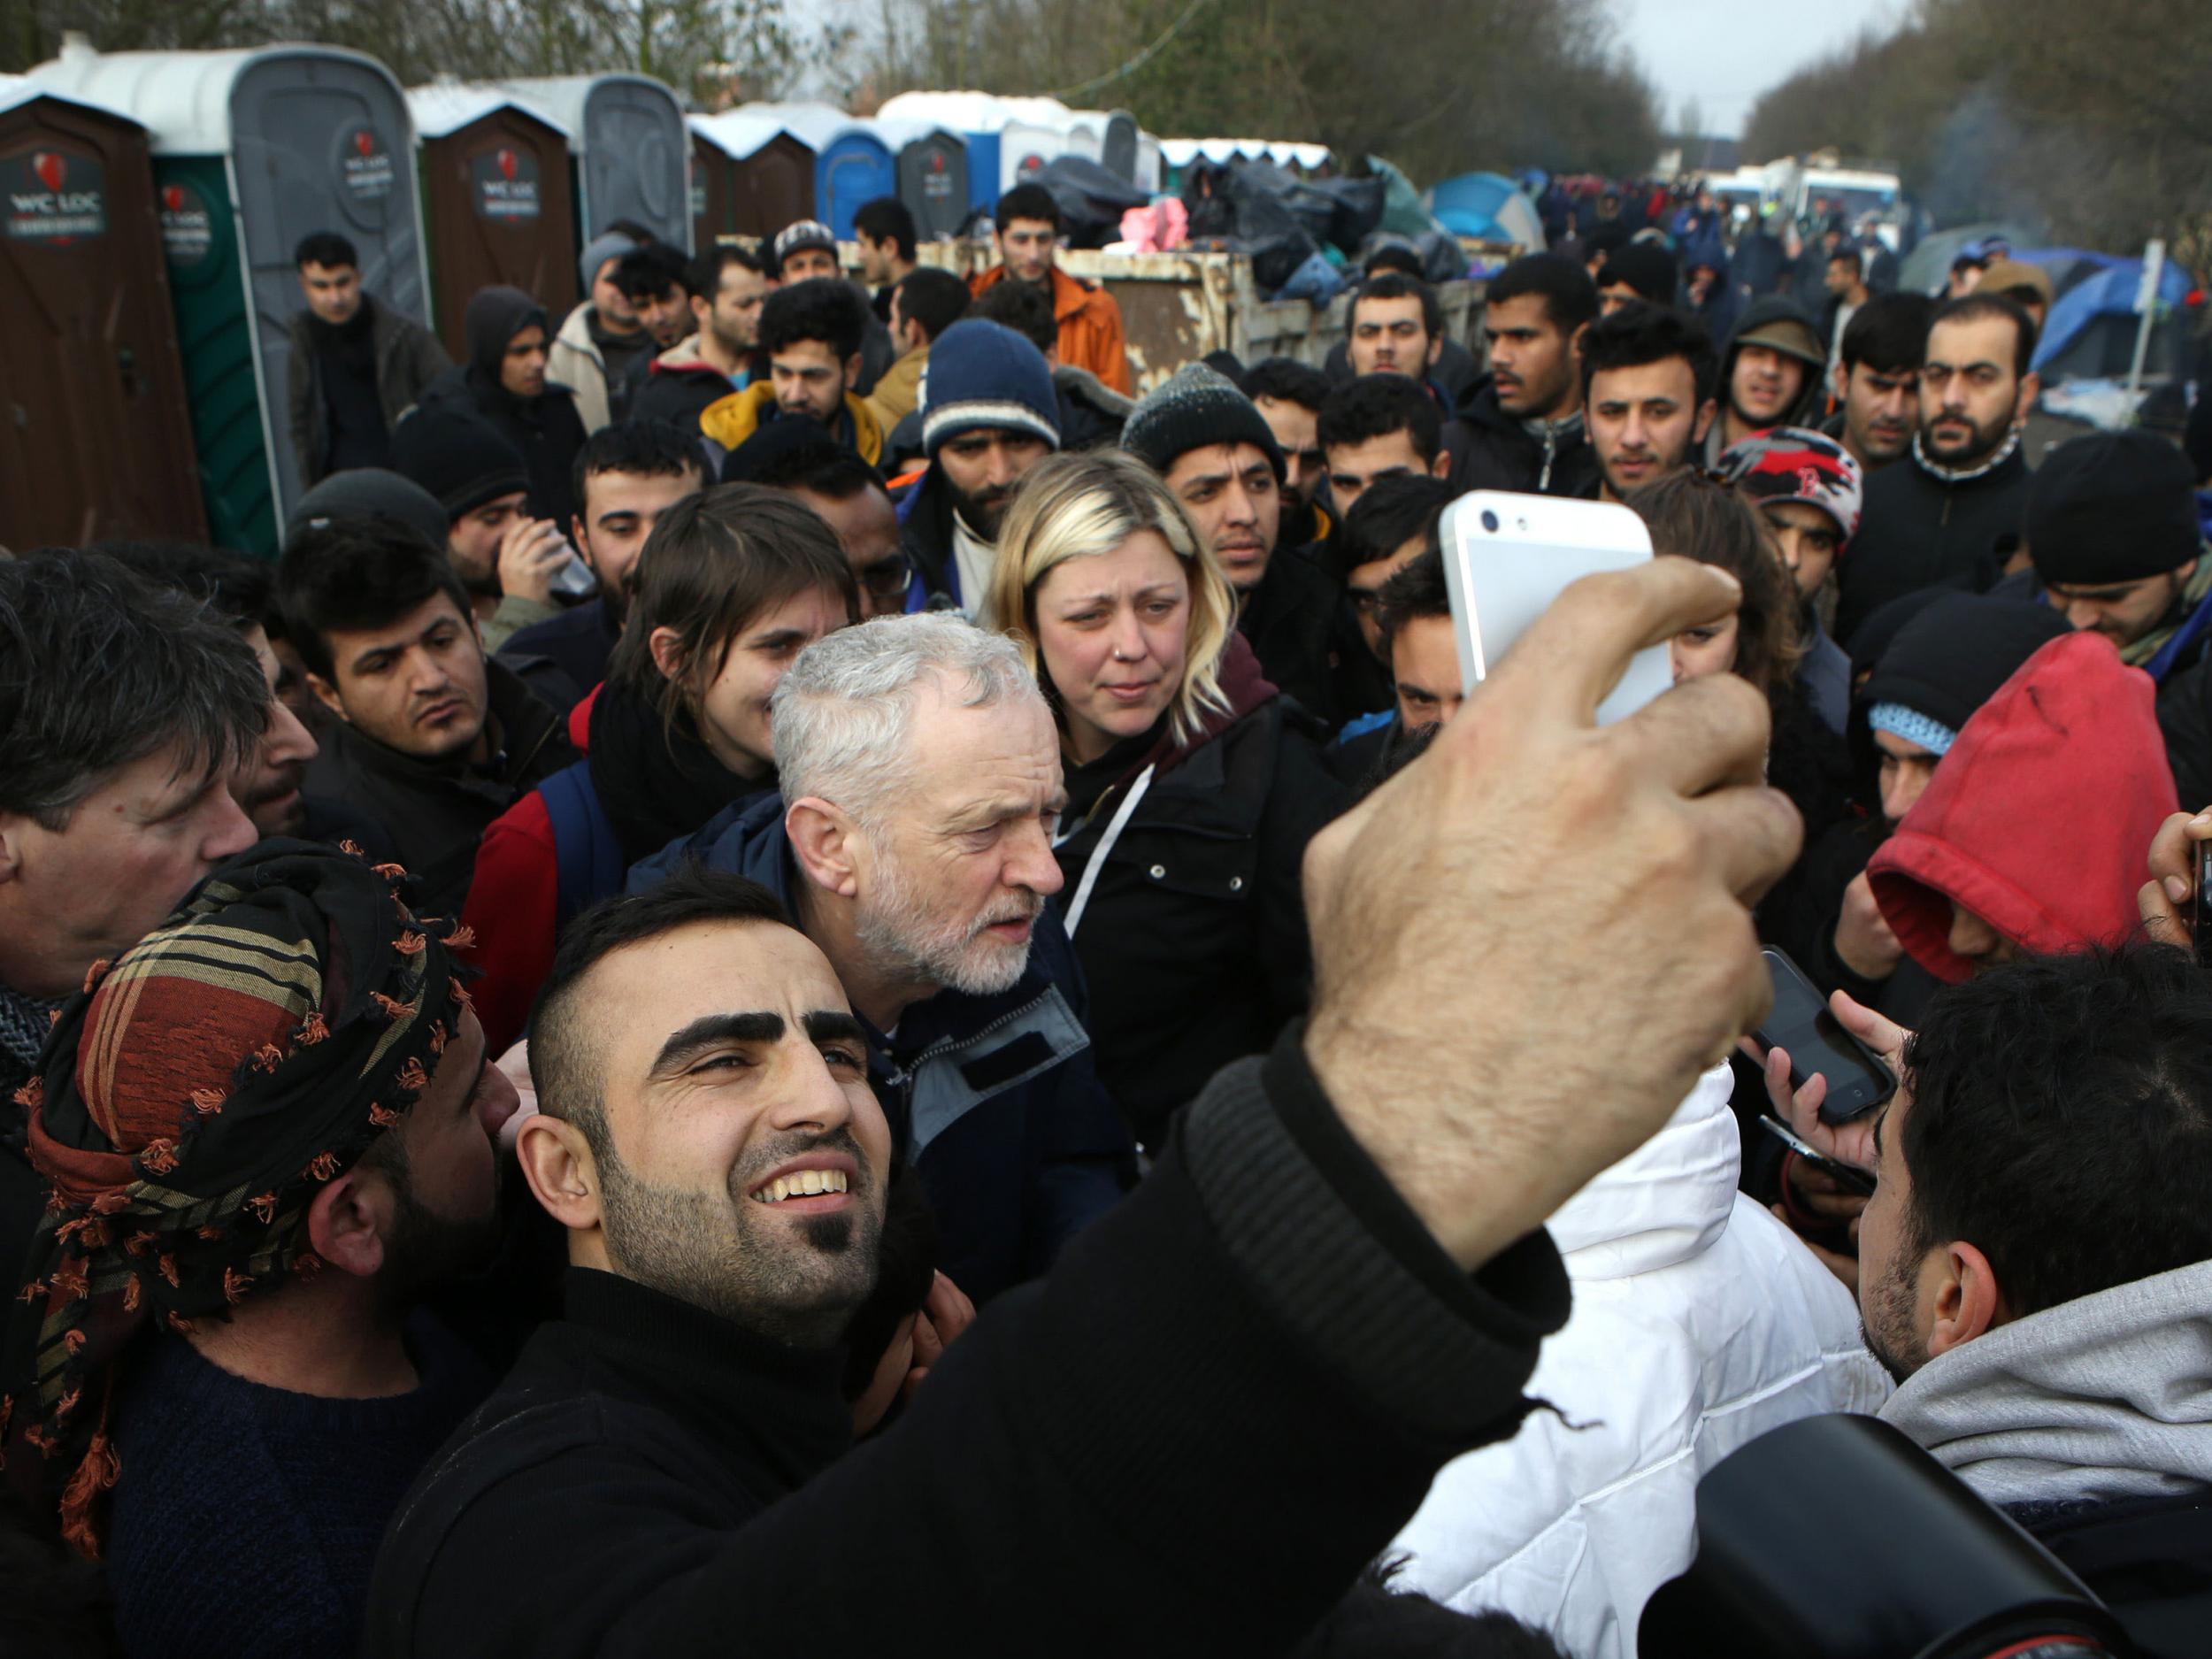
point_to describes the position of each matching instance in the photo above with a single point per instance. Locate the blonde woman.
(1192, 784)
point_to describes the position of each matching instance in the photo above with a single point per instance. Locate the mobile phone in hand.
(2200, 923)
(1818, 1045)
(1851, 1179)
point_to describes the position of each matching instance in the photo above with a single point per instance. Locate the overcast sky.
(1725, 53)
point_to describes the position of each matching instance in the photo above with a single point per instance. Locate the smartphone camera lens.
(1489, 519)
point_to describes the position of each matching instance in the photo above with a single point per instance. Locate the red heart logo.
(51, 169)
(365, 143)
(173, 197)
(507, 165)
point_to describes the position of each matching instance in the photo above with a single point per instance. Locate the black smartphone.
(2200, 923)
(1852, 1180)
(1818, 1045)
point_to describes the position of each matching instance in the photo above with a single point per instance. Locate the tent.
(1927, 265)
(1488, 206)
(2092, 328)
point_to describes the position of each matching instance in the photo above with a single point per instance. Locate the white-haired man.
(912, 844)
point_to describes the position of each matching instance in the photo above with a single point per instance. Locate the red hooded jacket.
(2040, 815)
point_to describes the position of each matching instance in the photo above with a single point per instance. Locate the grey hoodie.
(2103, 1398)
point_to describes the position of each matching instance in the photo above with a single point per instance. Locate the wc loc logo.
(54, 196)
(365, 167)
(503, 184)
(187, 232)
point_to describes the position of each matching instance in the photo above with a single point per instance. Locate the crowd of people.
(806, 966)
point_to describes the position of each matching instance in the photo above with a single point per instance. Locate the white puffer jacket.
(1700, 1322)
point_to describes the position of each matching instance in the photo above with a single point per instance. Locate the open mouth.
(809, 1189)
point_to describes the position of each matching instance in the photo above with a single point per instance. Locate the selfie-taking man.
(1345, 1233)
(432, 739)
(1647, 379)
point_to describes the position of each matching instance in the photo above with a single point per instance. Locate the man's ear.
(2031, 383)
(582, 544)
(1436, 349)
(1967, 1302)
(14, 828)
(822, 840)
(1441, 466)
(1839, 382)
(564, 1176)
(852, 371)
(1706, 410)
(350, 1222)
(1574, 342)
(327, 694)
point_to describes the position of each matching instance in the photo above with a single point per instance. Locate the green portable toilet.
(252, 152)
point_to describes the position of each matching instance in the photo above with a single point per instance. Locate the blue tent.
(1488, 206)
(2092, 327)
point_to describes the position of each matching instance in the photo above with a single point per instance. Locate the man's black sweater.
(1923, 530)
(1225, 1399)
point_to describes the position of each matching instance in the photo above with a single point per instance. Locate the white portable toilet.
(254, 150)
(628, 146)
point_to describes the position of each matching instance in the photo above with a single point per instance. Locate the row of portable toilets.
(153, 201)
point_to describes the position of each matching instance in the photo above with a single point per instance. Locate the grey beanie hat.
(1195, 406)
(607, 245)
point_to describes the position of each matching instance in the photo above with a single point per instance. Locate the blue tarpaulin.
(1488, 206)
(2106, 292)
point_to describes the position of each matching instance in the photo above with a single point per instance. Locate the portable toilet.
(1025, 146)
(1151, 165)
(494, 185)
(253, 151)
(771, 170)
(629, 150)
(1118, 152)
(1086, 131)
(976, 117)
(97, 442)
(932, 174)
(713, 165)
(853, 166)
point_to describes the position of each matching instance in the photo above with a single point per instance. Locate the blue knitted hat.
(982, 373)
(1913, 726)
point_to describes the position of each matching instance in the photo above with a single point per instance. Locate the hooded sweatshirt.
(2102, 1399)
(546, 428)
(1800, 339)
(2038, 817)
(1699, 1324)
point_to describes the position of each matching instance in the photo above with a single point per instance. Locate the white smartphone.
(1506, 559)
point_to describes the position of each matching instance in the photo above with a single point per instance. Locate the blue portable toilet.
(852, 168)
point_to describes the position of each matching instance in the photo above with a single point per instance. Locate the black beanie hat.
(1645, 267)
(461, 459)
(1195, 406)
(367, 492)
(2111, 507)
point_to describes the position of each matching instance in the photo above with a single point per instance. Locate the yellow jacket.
(730, 420)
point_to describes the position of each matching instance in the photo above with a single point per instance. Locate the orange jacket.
(1090, 325)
